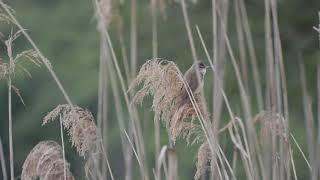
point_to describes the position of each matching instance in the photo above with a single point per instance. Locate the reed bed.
(252, 141)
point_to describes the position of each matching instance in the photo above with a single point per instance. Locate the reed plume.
(45, 161)
(14, 63)
(80, 125)
(271, 124)
(163, 80)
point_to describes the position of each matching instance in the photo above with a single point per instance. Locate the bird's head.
(202, 68)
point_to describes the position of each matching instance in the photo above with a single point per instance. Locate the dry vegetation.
(45, 161)
(261, 143)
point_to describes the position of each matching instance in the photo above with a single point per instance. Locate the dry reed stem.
(3, 163)
(154, 12)
(301, 152)
(293, 165)
(10, 115)
(80, 125)
(135, 124)
(252, 55)
(161, 161)
(318, 103)
(318, 28)
(133, 38)
(242, 46)
(172, 164)
(127, 152)
(63, 150)
(91, 168)
(246, 105)
(231, 114)
(307, 104)
(45, 161)
(189, 32)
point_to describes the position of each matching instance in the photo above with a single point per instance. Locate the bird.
(191, 79)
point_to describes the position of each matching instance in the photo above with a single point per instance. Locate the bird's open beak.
(208, 67)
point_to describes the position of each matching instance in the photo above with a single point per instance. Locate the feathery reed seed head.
(45, 161)
(271, 124)
(164, 82)
(80, 125)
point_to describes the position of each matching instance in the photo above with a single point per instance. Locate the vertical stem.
(187, 23)
(252, 54)
(10, 128)
(100, 98)
(216, 85)
(3, 163)
(134, 42)
(309, 121)
(318, 141)
(242, 46)
(155, 55)
(126, 150)
(173, 164)
(154, 28)
(269, 59)
(63, 151)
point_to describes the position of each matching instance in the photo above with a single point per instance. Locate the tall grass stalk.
(216, 95)
(317, 161)
(134, 118)
(126, 150)
(309, 119)
(252, 55)
(124, 55)
(134, 61)
(128, 154)
(10, 128)
(63, 151)
(230, 112)
(154, 19)
(189, 32)
(134, 38)
(11, 69)
(132, 146)
(242, 47)
(293, 165)
(317, 165)
(246, 105)
(3, 162)
(106, 159)
(103, 96)
(301, 152)
(218, 62)
(282, 98)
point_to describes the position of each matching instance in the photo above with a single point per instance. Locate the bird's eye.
(201, 65)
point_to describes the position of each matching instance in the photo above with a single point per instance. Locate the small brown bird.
(191, 78)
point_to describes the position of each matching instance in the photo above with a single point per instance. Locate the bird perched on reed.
(191, 79)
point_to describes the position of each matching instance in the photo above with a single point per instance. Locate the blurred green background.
(65, 31)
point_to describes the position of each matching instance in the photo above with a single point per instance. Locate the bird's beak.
(208, 67)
